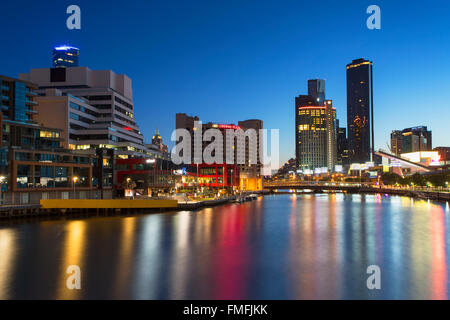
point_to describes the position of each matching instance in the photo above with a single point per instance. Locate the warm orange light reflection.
(72, 255)
(7, 259)
(127, 240)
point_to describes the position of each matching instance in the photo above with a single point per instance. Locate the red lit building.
(249, 174)
(145, 173)
(217, 175)
(159, 175)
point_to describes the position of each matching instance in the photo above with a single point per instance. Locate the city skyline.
(193, 65)
(209, 153)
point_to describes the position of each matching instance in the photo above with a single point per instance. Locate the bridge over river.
(439, 194)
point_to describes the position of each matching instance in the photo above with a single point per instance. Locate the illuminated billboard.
(427, 158)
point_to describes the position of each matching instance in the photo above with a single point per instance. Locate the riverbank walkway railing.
(293, 184)
(433, 193)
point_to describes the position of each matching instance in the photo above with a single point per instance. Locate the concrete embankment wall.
(88, 207)
(107, 204)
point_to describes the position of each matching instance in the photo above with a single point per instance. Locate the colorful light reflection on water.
(278, 247)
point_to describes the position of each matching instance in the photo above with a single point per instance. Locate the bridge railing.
(317, 183)
(294, 183)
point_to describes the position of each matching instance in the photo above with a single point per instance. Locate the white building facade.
(94, 108)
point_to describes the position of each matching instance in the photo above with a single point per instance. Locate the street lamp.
(2, 179)
(75, 179)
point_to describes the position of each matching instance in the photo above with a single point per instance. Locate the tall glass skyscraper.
(316, 89)
(315, 132)
(65, 56)
(360, 111)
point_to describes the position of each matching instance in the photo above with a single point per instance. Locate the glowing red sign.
(228, 126)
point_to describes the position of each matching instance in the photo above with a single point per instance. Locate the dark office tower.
(65, 56)
(316, 89)
(396, 142)
(360, 111)
(342, 145)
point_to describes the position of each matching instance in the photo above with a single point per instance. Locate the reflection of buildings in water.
(202, 227)
(124, 266)
(439, 269)
(148, 257)
(7, 261)
(333, 240)
(307, 250)
(230, 262)
(321, 243)
(73, 248)
(180, 263)
(420, 252)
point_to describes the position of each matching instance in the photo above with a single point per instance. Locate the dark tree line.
(436, 180)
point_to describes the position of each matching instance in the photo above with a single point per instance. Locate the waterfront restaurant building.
(154, 176)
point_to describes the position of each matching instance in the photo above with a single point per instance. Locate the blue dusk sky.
(234, 60)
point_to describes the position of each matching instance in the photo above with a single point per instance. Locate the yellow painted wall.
(106, 204)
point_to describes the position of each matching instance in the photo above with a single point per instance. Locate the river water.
(278, 247)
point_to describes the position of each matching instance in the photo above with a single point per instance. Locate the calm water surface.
(279, 247)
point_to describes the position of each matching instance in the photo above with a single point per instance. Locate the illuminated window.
(49, 134)
(83, 147)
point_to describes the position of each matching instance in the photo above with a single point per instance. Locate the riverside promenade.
(106, 207)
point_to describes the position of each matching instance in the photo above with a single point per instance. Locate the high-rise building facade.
(360, 111)
(17, 119)
(315, 129)
(316, 89)
(65, 56)
(93, 108)
(34, 165)
(342, 157)
(396, 142)
(424, 138)
(411, 140)
(17, 100)
(250, 174)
